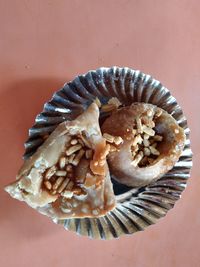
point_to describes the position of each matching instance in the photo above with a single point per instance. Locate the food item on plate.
(68, 175)
(113, 104)
(151, 143)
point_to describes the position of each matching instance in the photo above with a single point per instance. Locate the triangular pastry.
(68, 175)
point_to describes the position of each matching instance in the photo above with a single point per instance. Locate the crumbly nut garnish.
(138, 158)
(112, 105)
(145, 141)
(74, 141)
(109, 138)
(50, 172)
(60, 178)
(117, 140)
(71, 158)
(78, 157)
(62, 162)
(139, 125)
(48, 185)
(58, 182)
(67, 194)
(61, 173)
(72, 149)
(148, 130)
(63, 185)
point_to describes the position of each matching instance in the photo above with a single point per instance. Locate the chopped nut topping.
(63, 185)
(51, 171)
(73, 149)
(62, 162)
(146, 136)
(58, 182)
(71, 158)
(148, 130)
(60, 178)
(48, 185)
(112, 104)
(154, 151)
(78, 157)
(137, 158)
(74, 141)
(60, 173)
(139, 125)
(137, 140)
(109, 138)
(146, 142)
(113, 139)
(118, 140)
(67, 194)
(70, 185)
(147, 151)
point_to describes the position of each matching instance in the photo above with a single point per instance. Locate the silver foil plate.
(136, 208)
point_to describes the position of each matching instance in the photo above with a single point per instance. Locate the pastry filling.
(145, 141)
(144, 148)
(75, 170)
(112, 105)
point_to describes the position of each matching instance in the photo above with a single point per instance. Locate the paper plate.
(136, 208)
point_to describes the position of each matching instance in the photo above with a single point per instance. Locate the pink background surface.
(46, 43)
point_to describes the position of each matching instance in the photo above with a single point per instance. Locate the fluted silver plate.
(136, 209)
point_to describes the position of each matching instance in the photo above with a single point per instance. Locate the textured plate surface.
(136, 209)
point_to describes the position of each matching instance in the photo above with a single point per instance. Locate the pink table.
(45, 43)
